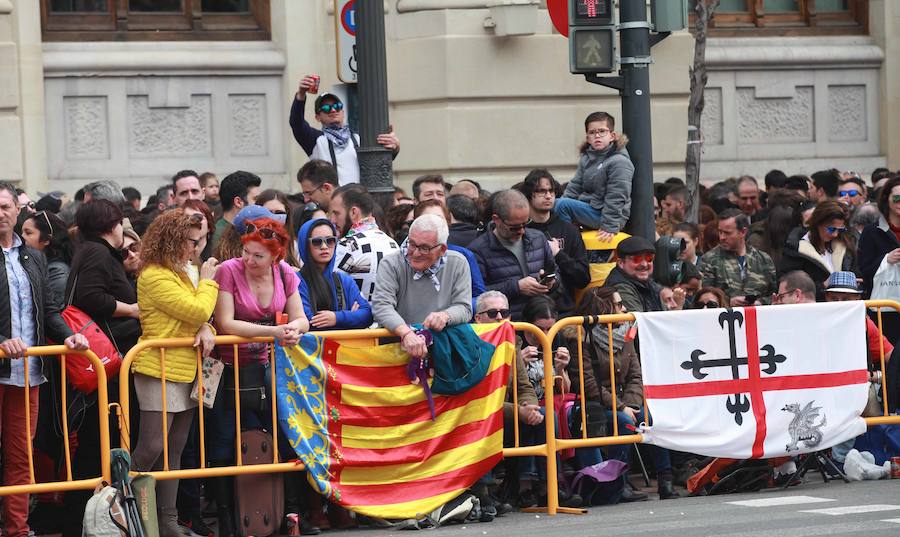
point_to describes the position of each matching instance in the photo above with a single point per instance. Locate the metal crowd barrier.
(345, 337)
(33, 487)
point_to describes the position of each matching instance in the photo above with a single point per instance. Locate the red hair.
(277, 246)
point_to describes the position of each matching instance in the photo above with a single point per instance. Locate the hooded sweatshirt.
(346, 318)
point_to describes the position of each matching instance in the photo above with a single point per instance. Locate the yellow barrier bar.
(235, 366)
(580, 329)
(165, 408)
(103, 410)
(201, 396)
(65, 416)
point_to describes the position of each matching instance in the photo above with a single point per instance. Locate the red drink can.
(895, 467)
(315, 87)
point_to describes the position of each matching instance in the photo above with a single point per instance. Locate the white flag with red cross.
(754, 382)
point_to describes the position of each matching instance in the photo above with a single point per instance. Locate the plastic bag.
(861, 467)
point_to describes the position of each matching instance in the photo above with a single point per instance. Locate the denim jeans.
(659, 456)
(572, 210)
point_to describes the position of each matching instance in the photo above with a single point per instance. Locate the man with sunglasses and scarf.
(335, 143)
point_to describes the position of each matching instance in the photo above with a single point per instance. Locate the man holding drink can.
(334, 143)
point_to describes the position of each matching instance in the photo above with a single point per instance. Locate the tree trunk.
(705, 11)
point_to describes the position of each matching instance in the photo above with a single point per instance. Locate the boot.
(666, 487)
(222, 490)
(168, 523)
(631, 495)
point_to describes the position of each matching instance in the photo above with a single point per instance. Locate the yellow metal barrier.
(345, 337)
(616, 438)
(69, 484)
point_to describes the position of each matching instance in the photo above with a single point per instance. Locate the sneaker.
(196, 527)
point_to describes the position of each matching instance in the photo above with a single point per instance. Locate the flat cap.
(634, 245)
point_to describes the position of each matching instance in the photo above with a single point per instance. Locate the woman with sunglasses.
(278, 204)
(331, 299)
(200, 212)
(629, 382)
(45, 231)
(826, 247)
(710, 297)
(171, 306)
(255, 290)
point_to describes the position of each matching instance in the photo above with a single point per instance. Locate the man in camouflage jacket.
(737, 268)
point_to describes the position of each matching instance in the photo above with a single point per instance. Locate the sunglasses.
(195, 241)
(493, 313)
(312, 206)
(516, 227)
(706, 305)
(323, 242)
(636, 259)
(328, 108)
(835, 229)
(46, 219)
(266, 233)
(279, 211)
(895, 198)
(848, 193)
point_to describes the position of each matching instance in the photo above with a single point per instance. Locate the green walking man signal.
(591, 37)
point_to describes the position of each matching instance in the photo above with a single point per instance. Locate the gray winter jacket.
(603, 179)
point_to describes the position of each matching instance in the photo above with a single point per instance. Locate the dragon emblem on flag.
(802, 428)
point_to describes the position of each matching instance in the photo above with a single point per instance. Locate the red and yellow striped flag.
(365, 432)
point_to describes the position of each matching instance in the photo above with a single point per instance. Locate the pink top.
(231, 279)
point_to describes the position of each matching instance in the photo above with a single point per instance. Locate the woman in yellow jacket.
(170, 307)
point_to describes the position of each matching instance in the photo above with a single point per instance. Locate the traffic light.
(667, 266)
(591, 37)
(669, 15)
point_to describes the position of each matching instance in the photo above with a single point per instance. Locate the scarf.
(431, 271)
(339, 136)
(601, 337)
(362, 226)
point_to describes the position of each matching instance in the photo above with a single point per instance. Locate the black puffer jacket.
(501, 269)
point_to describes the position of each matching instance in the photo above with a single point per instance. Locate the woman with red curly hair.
(254, 290)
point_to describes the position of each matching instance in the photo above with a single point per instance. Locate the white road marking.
(853, 509)
(894, 520)
(781, 500)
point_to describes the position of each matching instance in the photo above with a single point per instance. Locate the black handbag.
(252, 389)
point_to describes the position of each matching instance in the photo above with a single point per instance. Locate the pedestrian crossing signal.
(591, 50)
(590, 12)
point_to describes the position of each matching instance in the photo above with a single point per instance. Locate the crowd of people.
(203, 258)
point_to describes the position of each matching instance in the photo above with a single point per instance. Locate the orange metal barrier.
(60, 351)
(345, 337)
(616, 438)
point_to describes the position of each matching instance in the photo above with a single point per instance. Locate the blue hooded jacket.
(346, 319)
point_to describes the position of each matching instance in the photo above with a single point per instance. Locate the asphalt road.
(814, 508)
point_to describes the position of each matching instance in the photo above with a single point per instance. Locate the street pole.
(633, 84)
(375, 167)
(635, 61)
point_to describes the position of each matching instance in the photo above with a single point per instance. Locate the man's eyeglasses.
(411, 246)
(334, 107)
(636, 259)
(323, 242)
(310, 193)
(848, 193)
(493, 313)
(598, 132)
(778, 297)
(835, 229)
(543, 191)
(266, 233)
(516, 227)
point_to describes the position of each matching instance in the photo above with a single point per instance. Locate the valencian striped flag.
(365, 432)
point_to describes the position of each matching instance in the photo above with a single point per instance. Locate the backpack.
(104, 515)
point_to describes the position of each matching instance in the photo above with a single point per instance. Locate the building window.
(155, 20)
(790, 17)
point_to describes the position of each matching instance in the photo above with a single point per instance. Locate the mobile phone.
(548, 279)
(750, 299)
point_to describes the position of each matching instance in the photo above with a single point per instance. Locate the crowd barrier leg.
(69, 484)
